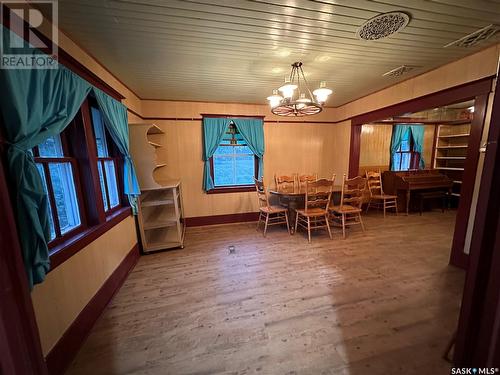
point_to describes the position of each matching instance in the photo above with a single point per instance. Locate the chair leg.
(328, 226)
(309, 229)
(265, 227)
(396, 206)
(343, 226)
(287, 223)
(368, 205)
(384, 208)
(296, 222)
(361, 222)
(260, 218)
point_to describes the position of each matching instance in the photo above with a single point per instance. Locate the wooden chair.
(349, 211)
(377, 196)
(271, 215)
(285, 181)
(315, 213)
(305, 178)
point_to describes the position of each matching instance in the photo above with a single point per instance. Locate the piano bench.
(432, 195)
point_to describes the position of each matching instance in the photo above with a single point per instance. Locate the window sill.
(65, 250)
(232, 189)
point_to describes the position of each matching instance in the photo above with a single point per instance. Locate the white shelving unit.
(160, 215)
(451, 152)
(161, 218)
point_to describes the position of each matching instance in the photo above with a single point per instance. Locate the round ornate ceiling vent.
(383, 25)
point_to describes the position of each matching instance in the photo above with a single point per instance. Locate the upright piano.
(404, 182)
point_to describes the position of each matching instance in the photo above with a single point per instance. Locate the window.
(80, 170)
(57, 170)
(106, 164)
(405, 158)
(233, 164)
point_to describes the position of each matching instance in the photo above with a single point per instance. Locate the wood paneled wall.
(375, 146)
(68, 289)
(301, 148)
(376, 143)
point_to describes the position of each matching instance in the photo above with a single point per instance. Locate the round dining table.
(294, 197)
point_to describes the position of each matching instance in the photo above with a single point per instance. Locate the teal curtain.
(417, 132)
(116, 121)
(35, 105)
(398, 134)
(252, 131)
(213, 132)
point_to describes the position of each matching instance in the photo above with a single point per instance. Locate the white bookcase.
(161, 219)
(160, 213)
(451, 151)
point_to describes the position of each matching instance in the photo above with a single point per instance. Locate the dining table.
(293, 197)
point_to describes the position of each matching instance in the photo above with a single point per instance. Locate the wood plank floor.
(385, 302)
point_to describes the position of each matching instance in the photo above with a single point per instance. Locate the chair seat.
(273, 209)
(383, 196)
(345, 209)
(311, 212)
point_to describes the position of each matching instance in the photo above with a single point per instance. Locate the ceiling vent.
(383, 25)
(399, 71)
(476, 37)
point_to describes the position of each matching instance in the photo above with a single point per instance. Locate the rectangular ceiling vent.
(399, 71)
(476, 37)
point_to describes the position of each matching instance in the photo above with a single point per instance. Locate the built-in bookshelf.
(160, 214)
(451, 151)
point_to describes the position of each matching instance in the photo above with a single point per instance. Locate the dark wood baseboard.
(63, 353)
(221, 219)
(459, 259)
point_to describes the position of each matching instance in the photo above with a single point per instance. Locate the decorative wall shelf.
(160, 216)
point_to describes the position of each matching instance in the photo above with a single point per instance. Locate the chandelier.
(296, 99)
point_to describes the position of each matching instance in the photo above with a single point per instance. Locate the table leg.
(292, 205)
(407, 202)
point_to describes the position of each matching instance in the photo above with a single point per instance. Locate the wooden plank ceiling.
(238, 51)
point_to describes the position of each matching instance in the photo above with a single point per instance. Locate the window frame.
(67, 158)
(114, 156)
(232, 188)
(414, 157)
(79, 147)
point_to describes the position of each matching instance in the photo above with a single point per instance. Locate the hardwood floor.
(385, 302)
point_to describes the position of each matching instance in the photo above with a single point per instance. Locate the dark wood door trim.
(479, 323)
(20, 346)
(458, 257)
(355, 145)
(455, 94)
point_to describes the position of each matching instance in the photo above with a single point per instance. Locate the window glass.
(107, 170)
(51, 147)
(61, 176)
(114, 199)
(51, 220)
(99, 133)
(234, 165)
(103, 186)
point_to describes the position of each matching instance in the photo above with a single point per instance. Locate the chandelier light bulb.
(287, 89)
(303, 98)
(302, 101)
(275, 99)
(295, 97)
(322, 93)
